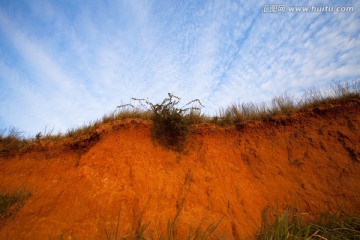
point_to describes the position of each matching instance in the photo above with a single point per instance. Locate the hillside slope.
(309, 160)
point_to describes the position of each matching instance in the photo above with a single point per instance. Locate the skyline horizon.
(66, 63)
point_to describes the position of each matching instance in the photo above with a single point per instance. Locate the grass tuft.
(329, 226)
(12, 142)
(170, 234)
(285, 104)
(10, 203)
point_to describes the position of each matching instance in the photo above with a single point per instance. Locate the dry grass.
(14, 142)
(285, 104)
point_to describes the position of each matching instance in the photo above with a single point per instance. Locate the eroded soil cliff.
(307, 161)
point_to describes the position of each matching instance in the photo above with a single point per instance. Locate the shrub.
(170, 123)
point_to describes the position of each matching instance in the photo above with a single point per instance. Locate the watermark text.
(281, 8)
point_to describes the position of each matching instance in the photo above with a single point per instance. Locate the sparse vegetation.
(12, 142)
(285, 104)
(170, 234)
(290, 226)
(170, 123)
(10, 203)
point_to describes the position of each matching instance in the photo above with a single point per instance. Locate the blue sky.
(65, 63)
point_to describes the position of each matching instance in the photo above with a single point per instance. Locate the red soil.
(308, 160)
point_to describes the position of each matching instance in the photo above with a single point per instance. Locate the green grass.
(328, 227)
(170, 234)
(10, 203)
(287, 226)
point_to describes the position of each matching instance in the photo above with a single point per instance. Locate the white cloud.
(48, 88)
(77, 62)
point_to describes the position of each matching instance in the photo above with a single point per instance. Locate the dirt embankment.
(309, 161)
